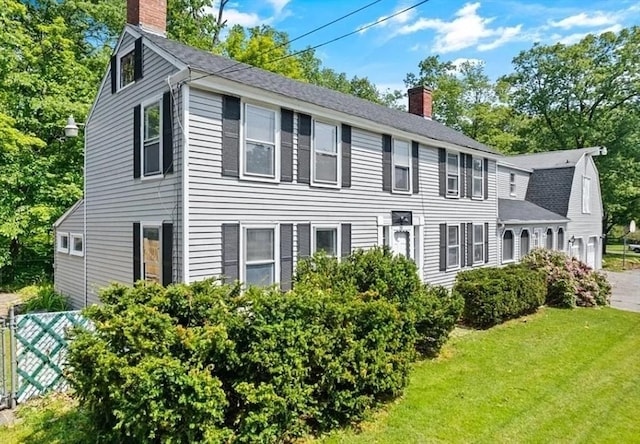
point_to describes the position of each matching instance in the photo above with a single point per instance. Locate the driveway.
(626, 289)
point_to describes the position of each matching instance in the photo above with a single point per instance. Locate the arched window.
(507, 246)
(549, 239)
(561, 239)
(524, 243)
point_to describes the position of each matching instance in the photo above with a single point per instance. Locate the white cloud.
(278, 5)
(583, 20)
(399, 19)
(467, 29)
(575, 38)
(248, 19)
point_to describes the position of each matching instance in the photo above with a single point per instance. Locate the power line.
(362, 28)
(309, 33)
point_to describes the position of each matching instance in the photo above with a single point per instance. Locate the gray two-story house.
(198, 166)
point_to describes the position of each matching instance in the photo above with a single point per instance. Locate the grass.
(558, 376)
(613, 259)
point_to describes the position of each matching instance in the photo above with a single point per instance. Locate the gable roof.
(553, 159)
(551, 188)
(67, 213)
(519, 211)
(223, 67)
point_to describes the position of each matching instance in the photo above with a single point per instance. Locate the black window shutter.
(463, 244)
(167, 253)
(415, 158)
(386, 162)
(167, 133)
(231, 252)
(470, 240)
(345, 242)
(114, 74)
(136, 252)
(286, 256)
(442, 170)
(486, 242)
(137, 60)
(304, 241)
(468, 171)
(486, 178)
(346, 156)
(443, 247)
(304, 148)
(230, 136)
(286, 145)
(137, 119)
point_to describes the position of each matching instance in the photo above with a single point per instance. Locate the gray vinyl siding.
(68, 268)
(584, 226)
(114, 199)
(522, 181)
(215, 199)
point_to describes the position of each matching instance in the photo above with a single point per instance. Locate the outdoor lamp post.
(71, 130)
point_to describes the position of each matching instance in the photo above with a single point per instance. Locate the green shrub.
(493, 295)
(570, 282)
(43, 298)
(202, 363)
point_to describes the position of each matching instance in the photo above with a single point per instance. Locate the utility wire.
(308, 33)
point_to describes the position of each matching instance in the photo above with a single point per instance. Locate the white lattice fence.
(41, 347)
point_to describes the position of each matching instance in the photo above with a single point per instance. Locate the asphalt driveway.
(626, 289)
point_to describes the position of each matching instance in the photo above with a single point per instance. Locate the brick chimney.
(150, 15)
(420, 101)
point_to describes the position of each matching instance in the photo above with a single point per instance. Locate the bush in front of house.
(429, 312)
(570, 282)
(205, 363)
(43, 298)
(494, 295)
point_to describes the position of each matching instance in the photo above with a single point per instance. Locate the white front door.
(402, 241)
(591, 253)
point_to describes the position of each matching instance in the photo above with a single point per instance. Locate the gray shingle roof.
(550, 159)
(511, 210)
(551, 188)
(324, 97)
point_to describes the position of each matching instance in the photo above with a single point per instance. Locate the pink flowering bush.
(570, 282)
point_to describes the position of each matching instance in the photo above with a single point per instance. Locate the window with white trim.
(63, 242)
(453, 246)
(259, 267)
(478, 178)
(151, 253)
(76, 244)
(507, 246)
(126, 69)
(560, 241)
(512, 184)
(524, 243)
(326, 239)
(260, 130)
(549, 239)
(401, 165)
(151, 140)
(478, 244)
(325, 153)
(586, 195)
(453, 175)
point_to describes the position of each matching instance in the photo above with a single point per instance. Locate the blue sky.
(493, 31)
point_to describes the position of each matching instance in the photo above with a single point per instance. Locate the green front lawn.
(557, 376)
(613, 258)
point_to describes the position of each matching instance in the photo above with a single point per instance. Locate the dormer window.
(512, 184)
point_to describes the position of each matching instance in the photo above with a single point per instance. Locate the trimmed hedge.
(493, 295)
(207, 363)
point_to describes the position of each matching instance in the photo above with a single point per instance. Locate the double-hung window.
(401, 165)
(478, 178)
(325, 153)
(326, 239)
(151, 132)
(260, 141)
(586, 195)
(453, 175)
(453, 246)
(126, 70)
(151, 253)
(478, 244)
(259, 256)
(512, 184)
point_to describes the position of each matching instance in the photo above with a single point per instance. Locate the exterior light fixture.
(572, 240)
(71, 130)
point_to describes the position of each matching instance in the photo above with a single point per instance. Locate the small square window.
(152, 152)
(325, 153)
(453, 175)
(127, 69)
(63, 242)
(76, 244)
(326, 239)
(401, 165)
